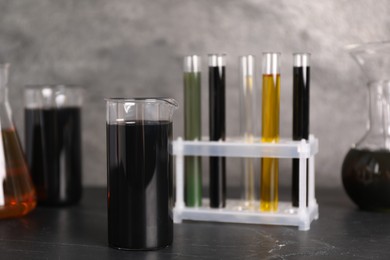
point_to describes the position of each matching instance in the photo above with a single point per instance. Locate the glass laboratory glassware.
(301, 106)
(248, 116)
(270, 130)
(217, 126)
(366, 167)
(17, 193)
(53, 142)
(192, 129)
(139, 172)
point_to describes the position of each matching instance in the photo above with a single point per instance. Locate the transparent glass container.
(53, 142)
(217, 127)
(269, 179)
(366, 167)
(248, 120)
(139, 172)
(193, 127)
(17, 193)
(301, 110)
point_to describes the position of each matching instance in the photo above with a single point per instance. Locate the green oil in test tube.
(192, 129)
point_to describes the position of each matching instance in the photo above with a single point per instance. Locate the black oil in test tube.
(217, 125)
(301, 90)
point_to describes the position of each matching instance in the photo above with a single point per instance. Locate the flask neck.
(378, 134)
(3, 94)
(5, 109)
(4, 83)
(378, 107)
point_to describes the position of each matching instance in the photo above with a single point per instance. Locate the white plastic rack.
(286, 214)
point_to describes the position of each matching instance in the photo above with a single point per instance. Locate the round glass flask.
(366, 167)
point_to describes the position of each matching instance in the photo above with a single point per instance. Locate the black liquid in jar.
(217, 132)
(53, 151)
(366, 178)
(139, 185)
(301, 105)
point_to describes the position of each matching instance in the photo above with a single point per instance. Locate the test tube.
(247, 124)
(301, 90)
(270, 130)
(192, 129)
(217, 125)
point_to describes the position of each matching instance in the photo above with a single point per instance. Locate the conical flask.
(17, 193)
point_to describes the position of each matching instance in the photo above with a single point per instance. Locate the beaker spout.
(172, 105)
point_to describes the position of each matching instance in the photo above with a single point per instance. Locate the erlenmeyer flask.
(17, 193)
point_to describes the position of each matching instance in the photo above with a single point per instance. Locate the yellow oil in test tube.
(270, 131)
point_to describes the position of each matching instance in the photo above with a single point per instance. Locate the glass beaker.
(139, 172)
(366, 167)
(17, 193)
(53, 142)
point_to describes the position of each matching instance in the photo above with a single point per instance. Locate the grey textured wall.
(134, 48)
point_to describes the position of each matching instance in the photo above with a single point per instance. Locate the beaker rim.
(171, 101)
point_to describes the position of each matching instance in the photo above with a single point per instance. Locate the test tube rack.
(286, 215)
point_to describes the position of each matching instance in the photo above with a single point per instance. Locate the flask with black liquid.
(366, 167)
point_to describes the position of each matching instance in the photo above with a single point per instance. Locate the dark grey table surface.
(80, 232)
